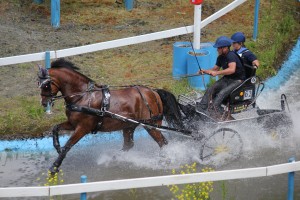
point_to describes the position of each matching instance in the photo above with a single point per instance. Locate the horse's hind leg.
(157, 136)
(128, 138)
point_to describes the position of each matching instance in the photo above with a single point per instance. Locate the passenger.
(239, 47)
(233, 74)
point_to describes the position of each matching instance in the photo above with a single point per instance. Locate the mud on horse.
(83, 98)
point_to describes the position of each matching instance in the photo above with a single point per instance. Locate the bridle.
(45, 82)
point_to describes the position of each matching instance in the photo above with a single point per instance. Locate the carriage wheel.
(222, 141)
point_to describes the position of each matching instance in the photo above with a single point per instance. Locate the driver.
(233, 74)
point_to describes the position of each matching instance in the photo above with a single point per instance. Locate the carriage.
(217, 133)
(217, 136)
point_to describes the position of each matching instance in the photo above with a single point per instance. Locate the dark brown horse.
(86, 103)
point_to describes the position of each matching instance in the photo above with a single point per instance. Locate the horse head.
(48, 92)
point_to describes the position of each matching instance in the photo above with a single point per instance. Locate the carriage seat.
(243, 95)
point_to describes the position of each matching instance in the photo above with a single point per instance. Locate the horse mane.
(63, 63)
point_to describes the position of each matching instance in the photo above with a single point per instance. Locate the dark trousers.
(218, 92)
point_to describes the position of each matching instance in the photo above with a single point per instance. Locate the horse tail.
(171, 109)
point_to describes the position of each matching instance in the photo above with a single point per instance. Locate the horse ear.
(42, 71)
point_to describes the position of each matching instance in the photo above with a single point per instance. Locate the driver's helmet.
(223, 41)
(238, 37)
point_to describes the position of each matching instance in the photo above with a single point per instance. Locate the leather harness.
(105, 105)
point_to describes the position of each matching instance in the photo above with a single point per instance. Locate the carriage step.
(267, 111)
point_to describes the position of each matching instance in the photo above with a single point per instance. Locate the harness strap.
(91, 86)
(159, 108)
(84, 109)
(145, 101)
(105, 98)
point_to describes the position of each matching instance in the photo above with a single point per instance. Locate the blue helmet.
(223, 41)
(238, 37)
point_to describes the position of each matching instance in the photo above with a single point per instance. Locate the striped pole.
(291, 177)
(55, 13)
(83, 179)
(48, 66)
(255, 25)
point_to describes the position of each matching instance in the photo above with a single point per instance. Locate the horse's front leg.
(55, 131)
(76, 136)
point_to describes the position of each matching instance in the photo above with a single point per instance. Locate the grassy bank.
(148, 63)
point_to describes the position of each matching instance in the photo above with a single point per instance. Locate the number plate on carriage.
(247, 94)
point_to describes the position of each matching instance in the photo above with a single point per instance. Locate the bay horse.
(82, 94)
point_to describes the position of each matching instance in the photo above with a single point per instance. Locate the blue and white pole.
(55, 13)
(83, 179)
(48, 66)
(291, 178)
(255, 25)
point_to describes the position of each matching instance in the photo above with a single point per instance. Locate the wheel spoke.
(224, 140)
(208, 146)
(230, 138)
(207, 156)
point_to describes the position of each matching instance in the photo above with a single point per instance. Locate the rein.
(90, 88)
(106, 113)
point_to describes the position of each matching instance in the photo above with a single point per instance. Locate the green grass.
(278, 28)
(25, 115)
